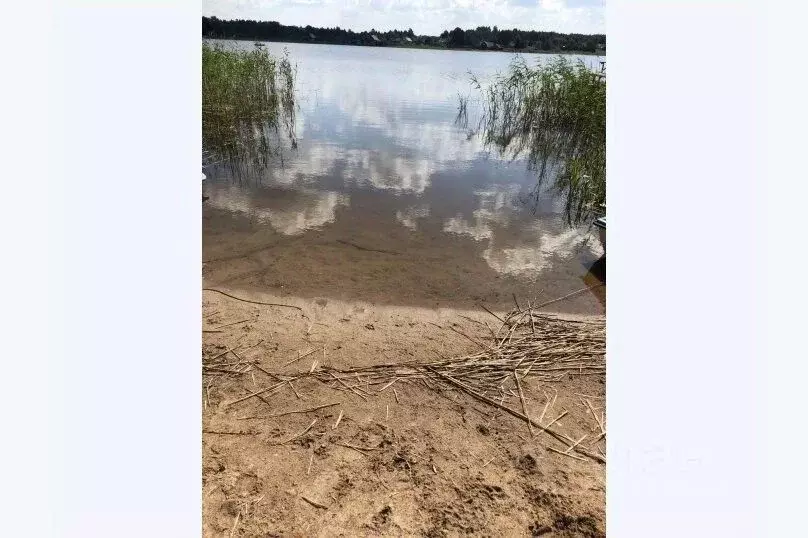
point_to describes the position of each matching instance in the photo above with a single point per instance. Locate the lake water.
(387, 199)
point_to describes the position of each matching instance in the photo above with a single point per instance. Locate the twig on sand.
(524, 406)
(301, 434)
(334, 427)
(597, 419)
(461, 333)
(341, 382)
(314, 503)
(229, 324)
(366, 249)
(295, 411)
(395, 393)
(359, 449)
(294, 390)
(484, 308)
(229, 433)
(249, 301)
(576, 292)
(235, 524)
(576, 443)
(559, 436)
(565, 454)
(559, 417)
(256, 393)
(311, 460)
(303, 356)
(387, 385)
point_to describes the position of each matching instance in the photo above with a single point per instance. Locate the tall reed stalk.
(555, 115)
(248, 104)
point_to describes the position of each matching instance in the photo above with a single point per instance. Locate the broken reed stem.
(566, 454)
(314, 503)
(256, 393)
(295, 411)
(578, 442)
(301, 434)
(576, 292)
(558, 436)
(600, 424)
(229, 324)
(524, 406)
(387, 385)
(249, 301)
(300, 357)
(341, 382)
(334, 427)
(359, 449)
(484, 308)
(294, 390)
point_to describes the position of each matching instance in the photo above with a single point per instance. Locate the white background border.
(101, 309)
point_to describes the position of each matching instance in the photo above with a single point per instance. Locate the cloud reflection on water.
(369, 123)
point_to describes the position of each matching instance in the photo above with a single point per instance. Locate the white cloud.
(409, 216)
(310, 209)
(522, 252)
(423, 16)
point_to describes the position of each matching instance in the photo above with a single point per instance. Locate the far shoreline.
(415, 46)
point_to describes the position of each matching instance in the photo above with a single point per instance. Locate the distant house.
(312, 36)
(407, 40)
(489, 45)
(375, 38)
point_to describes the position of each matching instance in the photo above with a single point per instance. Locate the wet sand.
(367, 256)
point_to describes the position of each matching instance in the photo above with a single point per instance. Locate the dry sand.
(422, 463)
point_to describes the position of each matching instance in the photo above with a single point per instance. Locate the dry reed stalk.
(387, 385)
(314, 503)
(249, 301)
(576, 443)
(293, 412)
(524, 406)
(235, 524)
(341, 382)
(359, 449)
(294, 390)
(600, 424)
(565, 454)
(229, 324)
(301, 434)
(262, 391)
(300, 357)
(334, 427)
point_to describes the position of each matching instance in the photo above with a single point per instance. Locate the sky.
(423, 16)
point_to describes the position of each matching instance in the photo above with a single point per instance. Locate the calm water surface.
(386, 198)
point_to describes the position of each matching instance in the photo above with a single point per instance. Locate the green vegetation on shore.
(555, 115)
(248, 106)
(482, 37)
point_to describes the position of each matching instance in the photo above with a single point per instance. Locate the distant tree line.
(482, 37)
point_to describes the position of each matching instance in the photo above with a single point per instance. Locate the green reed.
(248, 104)
(555, 115)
